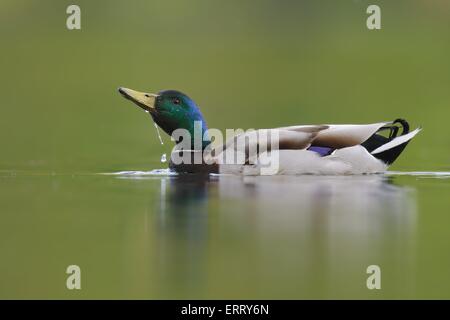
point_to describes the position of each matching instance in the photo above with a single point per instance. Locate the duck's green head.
(170, 109)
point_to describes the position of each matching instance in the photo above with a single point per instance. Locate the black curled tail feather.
(377, 139)
(387, 149)
(404, 123)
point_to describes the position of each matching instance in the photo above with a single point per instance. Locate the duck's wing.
(341, 135)
(270, 139)
(303, 136)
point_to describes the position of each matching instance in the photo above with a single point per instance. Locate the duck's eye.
(176, 101)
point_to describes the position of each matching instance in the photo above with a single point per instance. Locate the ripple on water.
(154, 172)
(168, 172)
(425, 174)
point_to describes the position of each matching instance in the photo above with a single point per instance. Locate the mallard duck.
(304, 149)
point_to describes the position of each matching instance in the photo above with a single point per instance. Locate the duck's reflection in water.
(182, 233)
(289, 235)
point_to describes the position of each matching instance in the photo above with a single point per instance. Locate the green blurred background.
(248, 64)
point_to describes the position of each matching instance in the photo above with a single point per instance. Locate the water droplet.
(159, 134)
(163, 158)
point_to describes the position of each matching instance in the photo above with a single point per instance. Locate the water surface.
(153, 235)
